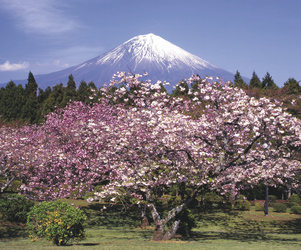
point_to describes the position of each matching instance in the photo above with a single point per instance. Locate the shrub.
(272, 199)
(212, 197)
(225, 205)
(15, 208)
(241, 197)
(296, 210)
(294, 198)
(291, 204)
(279, 207)
(272, 204)
(56, 221)
(242, 205)
(209, 199)
(259, 206)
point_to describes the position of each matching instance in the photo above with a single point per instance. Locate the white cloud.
(43, 16)
(7, 66)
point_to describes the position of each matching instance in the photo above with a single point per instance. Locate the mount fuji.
(149, 53)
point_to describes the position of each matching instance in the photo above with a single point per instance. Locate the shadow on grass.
(291, 227)
(215, 224)
(241, 237)
(233, 225)
(12, 230)
(114, 216)
(87, 244)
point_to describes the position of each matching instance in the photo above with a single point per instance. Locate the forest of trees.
(29, 104)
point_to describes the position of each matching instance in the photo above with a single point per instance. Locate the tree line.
(30, 104)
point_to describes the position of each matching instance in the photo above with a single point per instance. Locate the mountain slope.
(145, 53)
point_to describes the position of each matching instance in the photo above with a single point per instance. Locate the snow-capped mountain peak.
(153, 49)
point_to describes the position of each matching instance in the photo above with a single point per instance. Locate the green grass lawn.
(113, 229)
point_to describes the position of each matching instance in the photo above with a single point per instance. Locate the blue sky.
(44, 36)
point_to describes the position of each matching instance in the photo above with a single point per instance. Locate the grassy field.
(113, 229)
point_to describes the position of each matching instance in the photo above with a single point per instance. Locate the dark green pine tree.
(83, 92)
(11, 102)
(70, 91)
(54, 100)
(31, 87)
(195, 87)
(292, 87)
(30, 108)
(239, 82)
(43, 94)
(42, 97)
(267, 82)
(92, 85)
(255, 81)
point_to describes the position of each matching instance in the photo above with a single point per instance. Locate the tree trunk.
(161, 223)
(172, 231)
(158, 233)
(144, 222)
(144, 219)
(159, 228)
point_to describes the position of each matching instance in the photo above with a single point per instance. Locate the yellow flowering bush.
(56, 221)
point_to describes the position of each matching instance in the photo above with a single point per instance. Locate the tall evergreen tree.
(255, 81)
(292, 87)
(11, 102)
(83, 92)
(92, 85)
(43, 94)
(30, 108)
(267, 82)
(54, 100)
(239, 82)
(31, 87)
(42, 97)
(70, 91)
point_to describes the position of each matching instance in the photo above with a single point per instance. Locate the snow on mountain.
(145, 53)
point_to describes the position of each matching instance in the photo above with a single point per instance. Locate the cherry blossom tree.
(236, 141)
